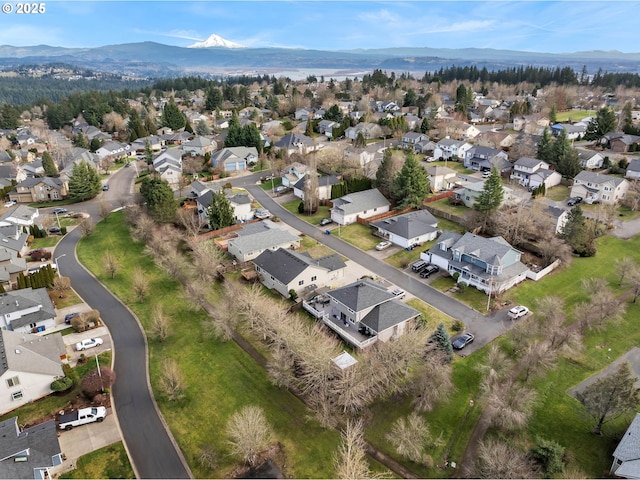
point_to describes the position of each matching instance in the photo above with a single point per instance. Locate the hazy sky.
(543, 26)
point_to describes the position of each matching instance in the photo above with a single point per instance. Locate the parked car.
(486, 174)
(262, 213)
(383, 245)
(517, 312)
(10, 203)
(69, 316)
(105, 187)
(325, 221)
(418, 265)
(81, 417)
(574, 201)
(427, 271)
(462, 341)
(88, 343)
(399, 293)
(59, 210)
(281, 188)
(55, 230)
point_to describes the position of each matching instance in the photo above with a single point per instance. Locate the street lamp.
(55, 261)
(98, 367)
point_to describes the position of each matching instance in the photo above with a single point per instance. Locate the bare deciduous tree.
(144, 226)
(634, 282)
(431, 383)
(249, 433)
(538, 357)
(160, 323)
(114, 122)
(350, 460)
(104, 209)
(498, 459)
(603, 305)
(61, 284)
(110, 263)
(206, 257)
(86, 226)
(140, 284)
(624, 266)
(172, 382)
(410, 437)
(190, 221)
(509, 405)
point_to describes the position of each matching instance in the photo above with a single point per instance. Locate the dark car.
(325, 221)
(462, 341)
(55, 230)
(428, 270)
(36, 252)
(574, 201)
(69, 316)
(59, 210)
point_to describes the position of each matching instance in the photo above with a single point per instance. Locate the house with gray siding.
(409, 229)
(257, 237)
(365, 204)
(626, 456)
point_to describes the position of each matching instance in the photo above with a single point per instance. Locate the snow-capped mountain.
(216, 41)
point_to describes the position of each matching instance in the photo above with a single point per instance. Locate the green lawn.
(107, 462)
(220, 377)
(444, 224)
(314, 248)
(49, 241)
(432, 315)
(403, 258)
(470, 296)
(323, 212)
(457, 166)
(558, 193)
(573, 115)
(271, 184)
(358, 235)
(444, 206)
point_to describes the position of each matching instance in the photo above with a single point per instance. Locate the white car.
(399, 293)
(88, 343)
(383, 245)
(517, 312)
(10, 203)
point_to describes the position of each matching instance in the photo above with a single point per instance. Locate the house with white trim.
(409, 229)
(255, 238)
(590, 159)
(597, 187)
(365, 204)
(531, 172)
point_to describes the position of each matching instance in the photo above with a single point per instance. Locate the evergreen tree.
(553, 115)
(386, 174)
(220, 212)
(187, 125)
(565, 157)
(202, 128)
(159, 197)
(135, 127)
(425, 126)
(95, 144)
(79, 140)
(150, 125)
(360, 141)
(491, 196)
(234, 133)
(334, 113)
(411, 185)
(441, 340)
(49, 165)
(308, 131)
(604, 122)
(576, 233)
(148, 153)
(250, 136)
(213, 100)
(545, 147)
(84, 182)
(172, 117)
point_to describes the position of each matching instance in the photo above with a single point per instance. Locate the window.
(605, 197)
(314, 278)
(301, 282)
(12, 382)
(16, 395)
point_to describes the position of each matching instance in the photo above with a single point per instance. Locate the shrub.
(457, 326)
(94, 383)
(462, 286)
(550, 455)
(62, 384)
(301, 207)
(63, 230)
(293, 295)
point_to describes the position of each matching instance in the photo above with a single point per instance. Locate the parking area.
(71, 340)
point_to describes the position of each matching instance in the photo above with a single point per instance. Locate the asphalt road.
(151, 447)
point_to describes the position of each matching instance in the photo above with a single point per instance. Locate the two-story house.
(485, 158)
(240, 203)
(295, 143)
(410, 140)
(27, 310)
(45, 189)
(364, 312)
(365, 204)
(325, 184)
(489, 264)
(448, 148)
(573, 130)
(597, 187)
(286, 270)
(441, 178)
(531, 172)
(198, 146)
(590, 159)
(169, 165)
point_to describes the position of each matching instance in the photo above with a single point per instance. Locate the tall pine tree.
(220, 212)
(49, 165)
(491, 196)
(84, 182)
(386, 174)
(411, 185)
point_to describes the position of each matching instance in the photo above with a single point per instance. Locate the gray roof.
(39, 443)
(587, 176)
(270, 238)
(389, 314)
(239, 198)
(629, 446)
(49, 181)
(257, 227)
(360, 201)
(483, 151)
(409, 225)
(293, 140)
(233, 154)
(323, 180)
(528, 162)
(361, 295)
(16, 301)
(634, 165)
(286, 265)
(21, 212)
(488, 250)
(12, 237)
(555, 212)
(24, 352)
(198, 142)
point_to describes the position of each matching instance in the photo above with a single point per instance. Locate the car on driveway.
(398, 292)
(59, 210)
(281, 188)
(10, 204)
(69, 316)
(462, 341)
(383, 245)
(88, 343)
(574, 201)
(517, 312)
(427, 271)
(325, 221)
(55, 230)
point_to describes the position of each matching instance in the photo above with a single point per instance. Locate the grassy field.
(69, 298)
(444, 206)
(220, 377)
(271, 184)
(470, 296)
(108, 462)
(358, 235)
(457, 166)
(315, 248)
(403, 258)
(558, 193)
(323, 212)
(573, 115)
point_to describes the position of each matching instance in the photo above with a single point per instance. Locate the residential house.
(295, 143)
(497, 140)
(240, 203)
(45, 189)
(29, 453)
(257, 237)
(364, 312)
(597, 187)
(484, 158)
(413, 121)
(448, 148)
(363, 204)
(530, 124)
(559, 216)
(573, 130)
(169, 165)
(13, 238)
(411, 139)
(293, 173)
(325, 127)
(198, 188)
(389, 106)
(409, 229)
(325, 184)
(33, 169)
(113, 149)
(531, 172)
(198, 146)
(470, 191)
(621, 142)
(286, 270)
(234, 159)
(5, 157)
(590, 159)
(359, 156)
(10, 173)
(441, 178)
(27, 310)
(633, 169)
(489, 264)
(20, 215)
(460, 130)
(29, 364)
(626, 456)
(77, 156)
(10, 265)
(368, 131)
(175, 138)
(303, 114)
(140, 145)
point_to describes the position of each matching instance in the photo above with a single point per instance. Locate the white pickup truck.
(80, 417)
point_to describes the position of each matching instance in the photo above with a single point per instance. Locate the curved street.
(151, 447)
